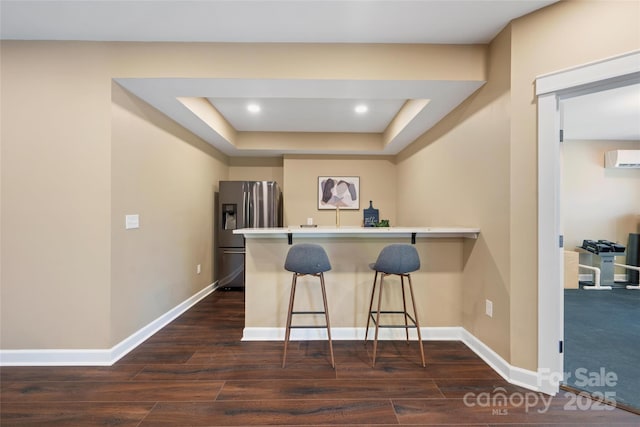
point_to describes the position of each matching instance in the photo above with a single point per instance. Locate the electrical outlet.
(198, 269)
(489, 308)
(131, 221)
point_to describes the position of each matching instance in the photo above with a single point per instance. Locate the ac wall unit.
(622, 159)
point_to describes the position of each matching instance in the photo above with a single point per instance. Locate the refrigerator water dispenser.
(229, 216)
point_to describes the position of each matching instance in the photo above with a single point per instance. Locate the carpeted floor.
(602, 343)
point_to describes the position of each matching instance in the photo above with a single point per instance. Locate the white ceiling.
(298, 21)
(308, 114)
(306, 106)
(612, 114)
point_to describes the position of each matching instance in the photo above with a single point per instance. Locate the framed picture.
(338, 191)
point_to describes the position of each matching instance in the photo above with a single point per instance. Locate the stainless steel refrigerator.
(242, 204)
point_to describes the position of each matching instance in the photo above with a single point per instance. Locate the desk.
(438, 283)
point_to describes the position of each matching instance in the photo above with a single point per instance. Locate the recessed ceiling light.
(361, 109)
(253, 108)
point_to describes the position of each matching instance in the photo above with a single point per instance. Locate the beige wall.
(298, 60)
(311, 141)
(298, 178)
(56, 189)
(74, 161)
(598, 203)
(479, 166)
(61, 216)
(168, 177)
(256, 169)
(458, 174)
(377, 183)
(564, 35)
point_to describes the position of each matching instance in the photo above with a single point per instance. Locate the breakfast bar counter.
(392, 232)
(438, 284)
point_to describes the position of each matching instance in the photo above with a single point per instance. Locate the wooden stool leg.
(326, 315)
(375, 340)
(404, 307)
(289, 314)
(373, 292)
(415, 313)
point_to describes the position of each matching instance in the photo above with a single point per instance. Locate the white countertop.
(347, 231)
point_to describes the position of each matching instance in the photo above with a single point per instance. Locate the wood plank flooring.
(197, 372)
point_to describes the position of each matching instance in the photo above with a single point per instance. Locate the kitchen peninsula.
(438, 284)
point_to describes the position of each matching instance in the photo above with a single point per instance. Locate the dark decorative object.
(371, 215)
(633, 257)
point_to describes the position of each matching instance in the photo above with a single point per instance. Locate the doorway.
(601, 328)
(551, 89)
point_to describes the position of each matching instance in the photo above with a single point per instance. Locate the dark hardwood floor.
(197, 372)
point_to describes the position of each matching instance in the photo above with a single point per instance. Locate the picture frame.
(338, 191)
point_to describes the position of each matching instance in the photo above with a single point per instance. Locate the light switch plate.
(131, 221)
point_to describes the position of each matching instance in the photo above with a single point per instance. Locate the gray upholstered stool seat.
(397, 259)
(307, 259)
(400, 260)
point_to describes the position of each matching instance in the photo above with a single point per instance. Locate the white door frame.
(550, 90)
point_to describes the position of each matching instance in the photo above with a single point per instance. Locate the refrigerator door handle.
(234, 252)
(251, 214)
(247, 209)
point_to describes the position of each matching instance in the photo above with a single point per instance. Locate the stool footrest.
(414, 325)
(308, 327)
(307, 312)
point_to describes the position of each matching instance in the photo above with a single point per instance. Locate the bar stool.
(400, 260)
(307, 259)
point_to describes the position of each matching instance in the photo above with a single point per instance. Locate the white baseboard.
(513, 374)
(55, 357)
(351, 334)
(125, 346)
(99, 357)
